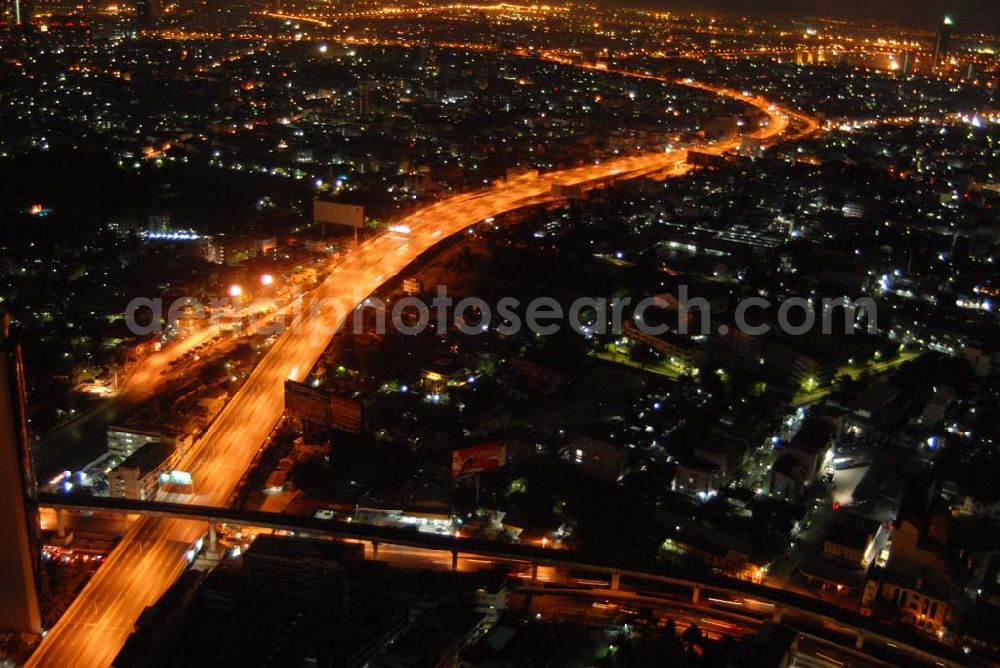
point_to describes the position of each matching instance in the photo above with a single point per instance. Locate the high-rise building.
(144, 13)
(20, 11)
(364, 99)
(19, 530)
(943, 42)
(907, 68)
(10, 11)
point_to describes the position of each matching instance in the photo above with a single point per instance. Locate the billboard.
(478, 458)
(324, 408)
(569, 191)
(346, 414)
(332, 213)
(306, 403)
(702, 159)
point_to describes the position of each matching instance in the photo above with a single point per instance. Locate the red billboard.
(478, 458)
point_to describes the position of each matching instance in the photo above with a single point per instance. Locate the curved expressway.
(152, 553)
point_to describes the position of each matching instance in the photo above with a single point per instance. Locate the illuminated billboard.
(478, 458)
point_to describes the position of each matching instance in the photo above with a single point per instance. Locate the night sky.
(969, 15)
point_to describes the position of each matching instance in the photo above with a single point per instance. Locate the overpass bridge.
(788, 606)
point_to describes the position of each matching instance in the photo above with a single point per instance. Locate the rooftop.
(852, 531)
(289, 547)
(149, 457)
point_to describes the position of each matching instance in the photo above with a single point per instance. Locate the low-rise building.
(213, 402)
(920, 604)
(936, 408)
(787, 478)
(139, 476)
(315, 573)
(676, 348)
(812, 447)
(234, 250)
(125, 440)
(596, 458)
(916, 582)
(443, 373)
(697, 477)
(855, 540)
(726, 454)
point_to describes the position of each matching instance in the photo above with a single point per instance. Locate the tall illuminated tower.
(907, 67)
(943, 42)
(20, 11)
(19, 532)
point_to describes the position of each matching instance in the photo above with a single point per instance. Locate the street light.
(235, 290)
(266, 279)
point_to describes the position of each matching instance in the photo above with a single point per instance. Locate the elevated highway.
(808, 615)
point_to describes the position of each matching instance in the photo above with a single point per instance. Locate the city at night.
(492, 335)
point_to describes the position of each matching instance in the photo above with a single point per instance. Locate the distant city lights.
(169, 235)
